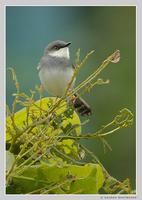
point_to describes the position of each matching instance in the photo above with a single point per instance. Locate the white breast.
(61, 53)
(56, 80)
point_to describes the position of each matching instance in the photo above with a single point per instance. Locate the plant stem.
(89, 135)
(94, 75)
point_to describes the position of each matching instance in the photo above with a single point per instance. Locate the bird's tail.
(81, 106)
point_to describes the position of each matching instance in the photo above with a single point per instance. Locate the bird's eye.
(56, 47)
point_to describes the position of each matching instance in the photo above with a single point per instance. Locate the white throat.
(61, 53)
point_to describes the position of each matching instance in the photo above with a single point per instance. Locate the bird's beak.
(67, 44)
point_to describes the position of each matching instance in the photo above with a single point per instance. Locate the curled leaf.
(115, 57)
(125, 118)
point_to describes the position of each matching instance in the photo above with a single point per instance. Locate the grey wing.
(41, 63)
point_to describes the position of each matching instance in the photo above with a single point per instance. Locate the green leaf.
(92, 181)
(10, 158)
(35, 110)
(43, 178)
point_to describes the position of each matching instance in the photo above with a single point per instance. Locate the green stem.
(68, 157)
(94, 75)
(89, 135)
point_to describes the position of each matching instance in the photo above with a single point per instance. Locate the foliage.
(44, 153)
(44, 178)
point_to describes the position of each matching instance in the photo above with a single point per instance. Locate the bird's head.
(58, 49)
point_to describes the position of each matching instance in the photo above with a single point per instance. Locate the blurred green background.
(103, 28)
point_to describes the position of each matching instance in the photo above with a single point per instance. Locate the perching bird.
(56, 71)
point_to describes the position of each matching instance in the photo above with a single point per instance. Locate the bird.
(55, 72)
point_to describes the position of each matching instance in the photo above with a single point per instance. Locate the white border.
(138, 94)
